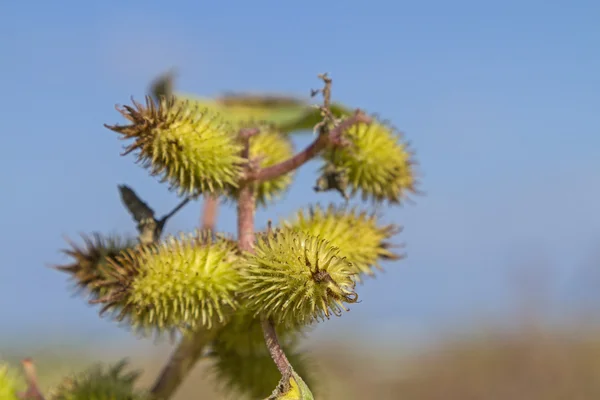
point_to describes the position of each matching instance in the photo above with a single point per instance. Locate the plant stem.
(209, 215)
(33, 390)
(246, 210)
(190, 347)
(246, 205)
(309, 152)
(277, 353)
(181, 362)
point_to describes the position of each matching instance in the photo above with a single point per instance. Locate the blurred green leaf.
(288, 114)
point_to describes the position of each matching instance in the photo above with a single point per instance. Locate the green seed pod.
(10, 383)
(179, 283)
(192, 148)
(243, 333)
(100, 383)
(90, 261)
(376, 161)
(356, 234)
(269, 148)
(242, 364)
(252, 374)
(296, 279)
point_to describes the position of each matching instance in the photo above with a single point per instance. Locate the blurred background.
(498, 296)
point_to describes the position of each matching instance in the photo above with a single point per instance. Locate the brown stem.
(246, 203)
(33, 391)
(181, 362)
(209, 215)
(311, 151)
(246, 206)
(190, 348)
(246, 209)
(277, 354)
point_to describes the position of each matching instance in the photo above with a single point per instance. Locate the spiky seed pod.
(89, 264)
(194, 149)
(357, 234)
(242, 364)
(295, 279)
(100, 383)
(252, 374)
(268, 148)
(377, 162)
(179, 283)
(10, 383)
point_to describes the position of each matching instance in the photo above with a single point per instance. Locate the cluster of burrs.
(209, 287)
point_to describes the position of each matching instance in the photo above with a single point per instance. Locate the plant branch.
(190, 348)
(246, 204)
(181, 363)
(209, 215)
(277, 353)
(33, 391)
(246, 210)
(320, 143)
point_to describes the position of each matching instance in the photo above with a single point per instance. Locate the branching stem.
(190, 348)
(246, 209)
(319, 144)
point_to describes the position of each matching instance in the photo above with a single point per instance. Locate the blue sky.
(500, 101)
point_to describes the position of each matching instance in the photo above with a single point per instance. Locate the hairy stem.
(246, 210)
(209, 215)
(246, 206)
(319, 144)
(277, 354)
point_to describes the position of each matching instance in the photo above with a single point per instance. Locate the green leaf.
(289, 114)
(286, 113)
